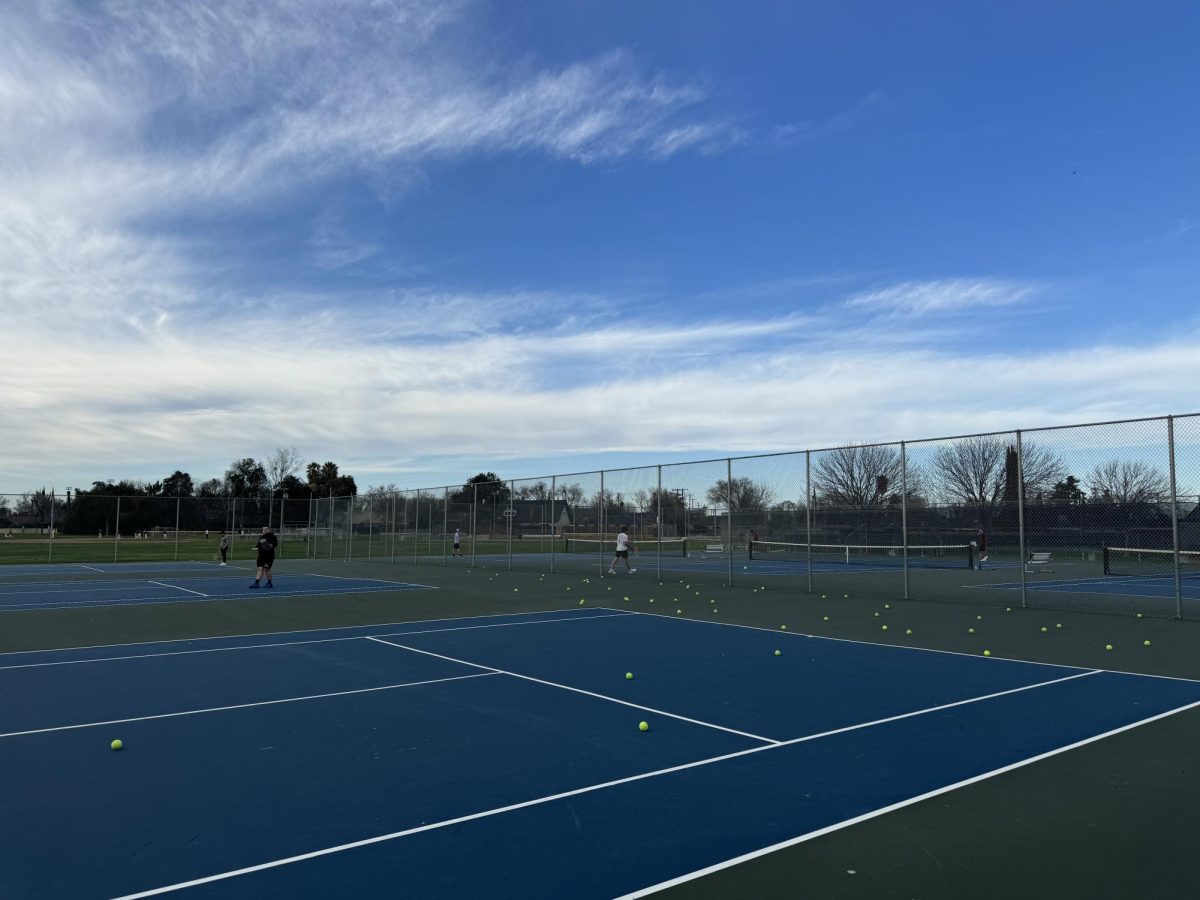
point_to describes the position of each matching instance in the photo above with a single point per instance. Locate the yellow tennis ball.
(826, 619)
(987, 652)
(822, 596)
(116, 745)
(1108, 646)
(970, 631)
(885, 628)
(877, 615)
(979, 618)
(845, 596)
(581, 602)
(643, 726)
(783, 628)
(1044, 629)
(779, 653)
(1058, 624)
(908, 631)
(1008, 609)
(1145, 643)
(678, 612)
(629, 676)
(715, 610)
(887, 606)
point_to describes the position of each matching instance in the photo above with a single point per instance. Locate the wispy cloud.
(955, 296)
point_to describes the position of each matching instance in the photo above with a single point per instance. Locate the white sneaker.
(612, 572)
(631, 571)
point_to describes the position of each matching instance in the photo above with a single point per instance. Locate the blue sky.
(424, 239)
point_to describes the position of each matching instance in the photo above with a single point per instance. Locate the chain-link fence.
(1101, 517)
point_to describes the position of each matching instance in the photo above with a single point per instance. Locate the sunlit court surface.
(488, 732)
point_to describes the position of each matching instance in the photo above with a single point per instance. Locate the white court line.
(234, 637)
(576, 690)
(177, 588)
(93, 568)
(243, 594)
(840, 640)
(379, 839)
(838, 826)
(353, 637)
(213, 709)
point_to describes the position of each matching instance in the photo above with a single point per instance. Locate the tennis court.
(501, 755)
(73, 586)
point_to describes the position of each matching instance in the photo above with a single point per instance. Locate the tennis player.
(224, 548)
(624, 545)
(457, 542)
(267, 542)
(981, 544)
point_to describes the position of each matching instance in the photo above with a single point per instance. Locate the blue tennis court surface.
(498, 756)
(65, 593)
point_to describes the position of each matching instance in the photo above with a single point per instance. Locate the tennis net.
(1146, 561)
(670, 546)
(931, 556)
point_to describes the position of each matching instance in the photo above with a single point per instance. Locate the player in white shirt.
(624, 545)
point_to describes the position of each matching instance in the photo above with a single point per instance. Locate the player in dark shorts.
(457, 542)
(981, 546)
(267, 542)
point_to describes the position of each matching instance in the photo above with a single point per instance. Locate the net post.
(117, 529)
(729, 515)
(1021, 518)
(659, 520)
(904, 511)
(474, 507)
(1174, 517)
(553, 519)
(808, 502)
(177, 501)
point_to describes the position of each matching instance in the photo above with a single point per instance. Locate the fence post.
(808, 502)
(50, 548)
(1174, 516)
(1021, 518)
(553, 519)
(510, 513)
(331, 522)
(117, 529)
(474, 517)
(603, 506)
(659, 520)
(445, 523)
(729, 513)
(177, 529)
(904, 511)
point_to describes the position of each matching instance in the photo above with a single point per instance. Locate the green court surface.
(1114, 818)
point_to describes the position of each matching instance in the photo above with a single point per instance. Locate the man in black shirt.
(267, 542)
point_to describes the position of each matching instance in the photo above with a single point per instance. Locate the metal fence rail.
(1044, 507)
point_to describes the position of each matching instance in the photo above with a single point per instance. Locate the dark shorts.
(266, 560)
(456, 546)
(622, 554)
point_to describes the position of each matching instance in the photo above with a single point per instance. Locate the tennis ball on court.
(877, 615)
(629, 676)
(822, 596)
(1145, 643)
(885, 628)
(1139, 615)
(1008, 609)
(979, 618)
(679, 612)
(845, 596)
(1058, 624)
(1044, 629)
(626, 599)
(970, 631)
(887, 606)
(826, 619)
(779, 653)
(581, 602)
(987, 652)
(116, 745)
(651, 599)
(1108, 646)
(610, 588)
(712, 601)
(515, 590)
(744, 568)
(783, 628)
(643, 726)
(568, 589)
(908, 631)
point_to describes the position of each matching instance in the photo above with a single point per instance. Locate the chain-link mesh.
(695, 509)
(531, 523)
(1186, 430)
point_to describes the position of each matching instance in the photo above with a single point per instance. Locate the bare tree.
(571, 493)
(537, 491)
(1127, 483)
(740, 495)
(975, 471)
(859, 476)
(285, 461)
